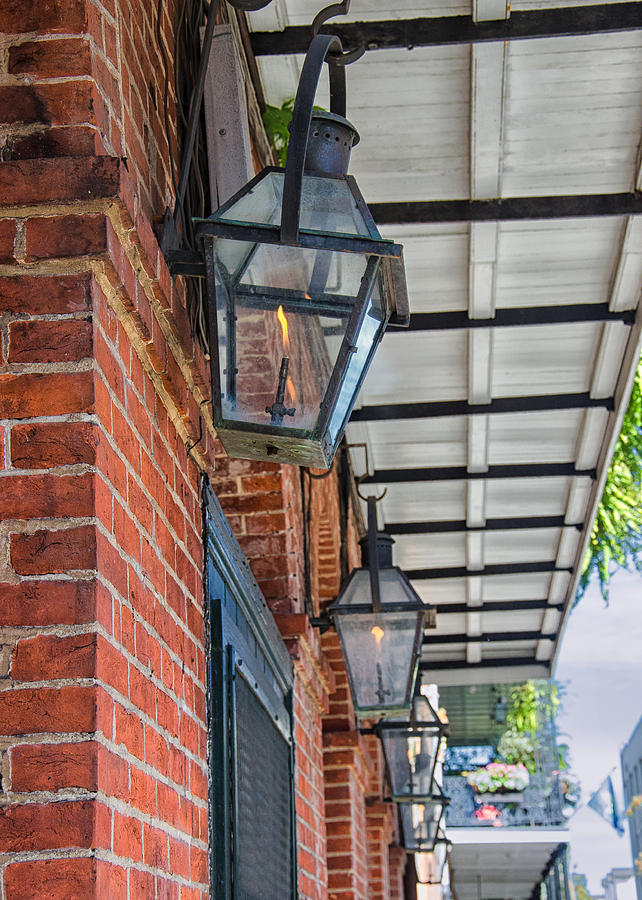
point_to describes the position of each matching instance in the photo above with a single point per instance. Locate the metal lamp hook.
(337, 9)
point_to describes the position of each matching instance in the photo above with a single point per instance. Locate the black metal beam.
(517, 524)
(430, 32)
(501, 662)
(495, 569)
(517, 317)
(437, 409)
(460, 473)
(497, 606)
(507, 209)
(486, 637)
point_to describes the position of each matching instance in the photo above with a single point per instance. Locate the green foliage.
(276, 120)
(616, 538)
(580, 888)
(516, 747)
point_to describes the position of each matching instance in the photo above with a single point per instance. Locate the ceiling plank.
(430, 32)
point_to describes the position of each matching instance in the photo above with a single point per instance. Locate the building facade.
(173, 721)
(631, 764)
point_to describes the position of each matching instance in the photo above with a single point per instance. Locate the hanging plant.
(498, 777)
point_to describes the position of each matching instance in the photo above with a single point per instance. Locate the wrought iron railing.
(541, 804)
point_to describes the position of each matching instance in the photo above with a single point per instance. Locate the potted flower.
(506, 779)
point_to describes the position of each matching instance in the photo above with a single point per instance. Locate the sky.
(600, 665)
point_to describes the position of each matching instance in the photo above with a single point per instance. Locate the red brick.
(37, 341)
(48, 657)
(36, 710)
(111, 881)
(47, 603)
(129, 731)
(43, 445)
(143, 792)
(128, 837)
(73, 141)
(111, 564)
(35, 826)
(7, 238)
(67, 16)
(45, 294)
(46, 552)
(53, 767)
(67, 102)
(63, 236)
(111, 668)
(27, 396)
(113, 775)
(141, 885)
(55, 879)
(46, 496)
(155, 842)
(47, 59)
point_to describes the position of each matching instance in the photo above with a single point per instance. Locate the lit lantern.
(411, 748)
(430, 866)
(300, 287)
(379, 619)
(420, 822)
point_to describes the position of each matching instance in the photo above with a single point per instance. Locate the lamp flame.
(378, 634)
(283, 322)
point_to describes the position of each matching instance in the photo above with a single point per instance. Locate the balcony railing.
(541, 804)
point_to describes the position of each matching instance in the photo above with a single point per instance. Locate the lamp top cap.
(384, 550)
(330, 140)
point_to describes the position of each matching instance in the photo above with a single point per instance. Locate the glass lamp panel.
(430, 866)
(393, 587)
(327, 204)
(282, 314)
(366, 342)
(379, 651)
(420, 824)
(410, 756)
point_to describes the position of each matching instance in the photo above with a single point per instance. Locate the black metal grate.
(263, 843)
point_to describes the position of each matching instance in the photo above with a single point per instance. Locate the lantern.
(411, 748)
(379, 619)
(430, 866)
(420, 822)
(300, 288)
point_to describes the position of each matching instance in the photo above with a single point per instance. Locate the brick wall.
(104, 427)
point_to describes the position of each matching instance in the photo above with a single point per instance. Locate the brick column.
(397, 865)
(102, 672)
(346, 782)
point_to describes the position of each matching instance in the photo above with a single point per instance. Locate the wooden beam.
(487, 637)
(442, 609)
(430, 32)
(517, 317)
(523, 523)
(436, 409)
(528, 568)
(461, 473)
(416, 212)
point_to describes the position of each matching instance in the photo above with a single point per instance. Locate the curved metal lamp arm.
(300, 126)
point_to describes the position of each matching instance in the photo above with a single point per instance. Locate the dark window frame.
(243, 642)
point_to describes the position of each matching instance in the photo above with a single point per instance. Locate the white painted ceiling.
(519, 118)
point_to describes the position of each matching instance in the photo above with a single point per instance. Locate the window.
(252, 826)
